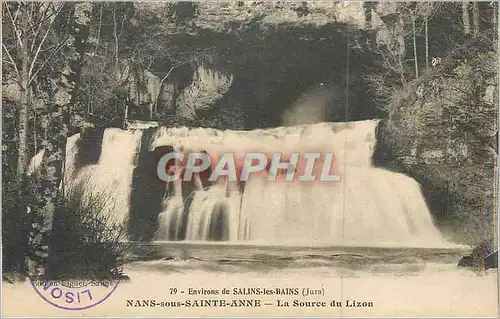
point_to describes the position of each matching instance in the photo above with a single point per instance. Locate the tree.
(34, 34)
(61, 126)
(108, 67)
(426, 42)
(28, 47)
(155, 27)
(427, 10)
(475, 18)
(131, 58)
(421, 10)
(414, 34)
(466, 17)
(27, 51)
(493, 4)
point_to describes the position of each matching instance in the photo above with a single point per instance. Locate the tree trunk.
(116, 49)
(33, 109)
(22, 151)
(426, 43)
(495, 15)
(475, 18)
(414, 43)
(61, 125)
(23, 111)
(465, 17)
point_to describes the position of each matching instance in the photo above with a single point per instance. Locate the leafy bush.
(11, 221)
(86, 243)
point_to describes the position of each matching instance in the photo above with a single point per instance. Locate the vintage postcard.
(250, 159)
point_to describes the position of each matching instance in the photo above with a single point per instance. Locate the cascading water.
(369, 206)
(169, 221)
(111, 177)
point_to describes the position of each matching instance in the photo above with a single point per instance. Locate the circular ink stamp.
(75, 294)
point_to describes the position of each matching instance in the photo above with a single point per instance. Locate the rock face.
(443, 131)
(265, 14)
(274, 49)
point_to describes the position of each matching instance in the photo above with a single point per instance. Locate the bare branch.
(49, 27)
(38, 52)
(50, 48)
(99, 29)
(37, 30)
(12, 62)
(55, 11)
(60, 46)
(175, 66)
(16, 30)
(17, 13)
(124, 17)
(116, 42)
(31, 9)
(45, 17)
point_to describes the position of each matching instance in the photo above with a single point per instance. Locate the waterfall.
(369, 206)
(169, 220)
(111, 177)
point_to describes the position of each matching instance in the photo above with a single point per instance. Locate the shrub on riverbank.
(87, 242)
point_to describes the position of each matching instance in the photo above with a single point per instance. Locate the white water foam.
(111, 177)
(370, 206)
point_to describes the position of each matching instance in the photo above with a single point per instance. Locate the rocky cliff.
(442, 130)
(264, 47)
